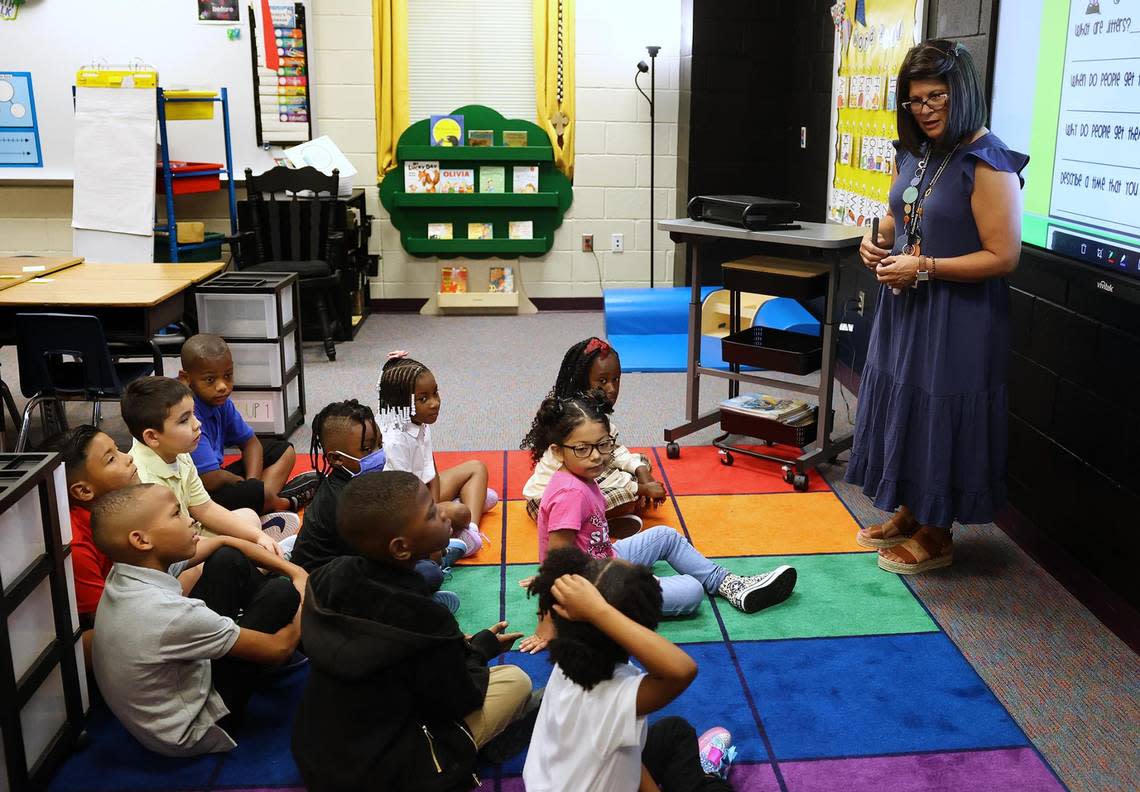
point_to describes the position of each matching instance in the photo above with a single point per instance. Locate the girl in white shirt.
(409, 405)
(628, 483)
(591, 731)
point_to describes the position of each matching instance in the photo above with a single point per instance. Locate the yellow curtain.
(554, 77)
(390, 46)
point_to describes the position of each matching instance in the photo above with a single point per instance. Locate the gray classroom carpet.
(1069, 682)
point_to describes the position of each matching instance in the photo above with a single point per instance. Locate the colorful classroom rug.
(849, 684)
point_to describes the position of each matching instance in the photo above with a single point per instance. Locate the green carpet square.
(835, 595)
(521, 609)
(698, 628)
(478, 590)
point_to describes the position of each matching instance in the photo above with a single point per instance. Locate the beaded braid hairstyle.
(584, 653)
(574, 375)
(557, 418)
(350, 411)
(396, 389)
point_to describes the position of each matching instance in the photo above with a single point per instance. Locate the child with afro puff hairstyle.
(591, 729)
(627, 482)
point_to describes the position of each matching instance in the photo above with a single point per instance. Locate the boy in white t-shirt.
(591, 731)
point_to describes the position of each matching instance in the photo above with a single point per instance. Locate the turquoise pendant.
(910, 194)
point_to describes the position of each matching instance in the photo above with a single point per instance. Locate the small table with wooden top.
(133, 301)
(15, 270)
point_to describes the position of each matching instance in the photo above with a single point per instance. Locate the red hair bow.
(599, 346)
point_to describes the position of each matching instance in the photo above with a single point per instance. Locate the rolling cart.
(766, 348)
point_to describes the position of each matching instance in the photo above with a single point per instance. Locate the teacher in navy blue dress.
(930, 436)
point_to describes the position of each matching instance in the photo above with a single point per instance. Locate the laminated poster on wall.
(219, 12)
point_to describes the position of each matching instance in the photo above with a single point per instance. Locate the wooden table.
(15, 270)
(195, 273)
(134, 301)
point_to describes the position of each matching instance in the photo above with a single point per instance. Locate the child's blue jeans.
(682, 593)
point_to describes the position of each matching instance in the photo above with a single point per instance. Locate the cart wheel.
(767, 443)
(800, 482)
(726, 457)
(788, 474)
(673, 451)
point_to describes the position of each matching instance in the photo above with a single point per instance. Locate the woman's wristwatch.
(925, 268)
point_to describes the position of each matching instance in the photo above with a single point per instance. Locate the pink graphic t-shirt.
(571, 504)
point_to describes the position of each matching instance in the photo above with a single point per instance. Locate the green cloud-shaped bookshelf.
(411, 212)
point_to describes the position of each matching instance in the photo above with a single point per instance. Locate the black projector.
(745, 211)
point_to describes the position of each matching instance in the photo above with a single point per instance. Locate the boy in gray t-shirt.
(153, 646)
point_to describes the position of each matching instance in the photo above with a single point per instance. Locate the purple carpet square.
(1007, 770)
(753, 778)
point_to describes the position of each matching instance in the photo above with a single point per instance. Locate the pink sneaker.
(471, 537)
(491, 500)
(716, 751)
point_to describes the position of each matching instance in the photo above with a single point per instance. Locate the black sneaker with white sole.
(752, 593)
(301, 488)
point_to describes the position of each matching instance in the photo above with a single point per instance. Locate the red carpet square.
(699, 472)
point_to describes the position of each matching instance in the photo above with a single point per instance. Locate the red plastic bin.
(208, 182)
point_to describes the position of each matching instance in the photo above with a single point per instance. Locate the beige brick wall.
(611, 190)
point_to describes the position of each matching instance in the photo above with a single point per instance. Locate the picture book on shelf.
(480, 137)
(501, 279)
(421, 176)
(456, 180)
(492, 178)
(771, 407)
(525, 178)
(446, 130)
(452, 280)
(514, 137)
(439, 230)
(479, 231)
(521, 229)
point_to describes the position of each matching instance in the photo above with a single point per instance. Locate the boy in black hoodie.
(398, 698)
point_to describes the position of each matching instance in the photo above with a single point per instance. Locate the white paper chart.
(1096, 170)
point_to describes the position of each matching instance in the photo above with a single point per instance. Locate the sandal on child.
(890, 533)
(928, 548)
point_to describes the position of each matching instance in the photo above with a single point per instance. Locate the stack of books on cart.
(772, 408)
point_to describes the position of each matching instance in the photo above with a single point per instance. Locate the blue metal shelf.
(168, 176)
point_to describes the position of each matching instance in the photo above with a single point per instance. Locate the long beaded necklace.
(912, 202)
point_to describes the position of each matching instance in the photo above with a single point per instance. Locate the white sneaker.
(280, 525)
(752, 593)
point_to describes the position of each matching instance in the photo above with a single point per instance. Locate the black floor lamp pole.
(652, 99)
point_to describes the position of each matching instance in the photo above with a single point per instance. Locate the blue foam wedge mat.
(649, 327)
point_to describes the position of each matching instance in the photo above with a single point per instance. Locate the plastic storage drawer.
(264, 364)
(777, 350)
(244, 315)
(269, 411)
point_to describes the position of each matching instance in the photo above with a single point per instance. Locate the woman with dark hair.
(930, 436)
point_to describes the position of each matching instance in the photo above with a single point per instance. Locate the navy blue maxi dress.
(931, 427)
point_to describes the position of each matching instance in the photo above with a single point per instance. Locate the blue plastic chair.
(66, 357)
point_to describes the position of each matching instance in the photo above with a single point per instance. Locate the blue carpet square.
(843, 697)
(263, 757)
(114, 761)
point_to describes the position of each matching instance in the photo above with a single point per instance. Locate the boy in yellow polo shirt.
(159, 412)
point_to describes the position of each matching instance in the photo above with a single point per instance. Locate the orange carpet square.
(780, 524)
(700, 472)
(492, 528)
(522, 535)
(492, 459)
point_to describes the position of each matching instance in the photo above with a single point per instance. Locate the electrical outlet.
(587, 243)
(618, 245)
(862, 301)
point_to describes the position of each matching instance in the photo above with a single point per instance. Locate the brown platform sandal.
(889, 533)
(929, 548)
